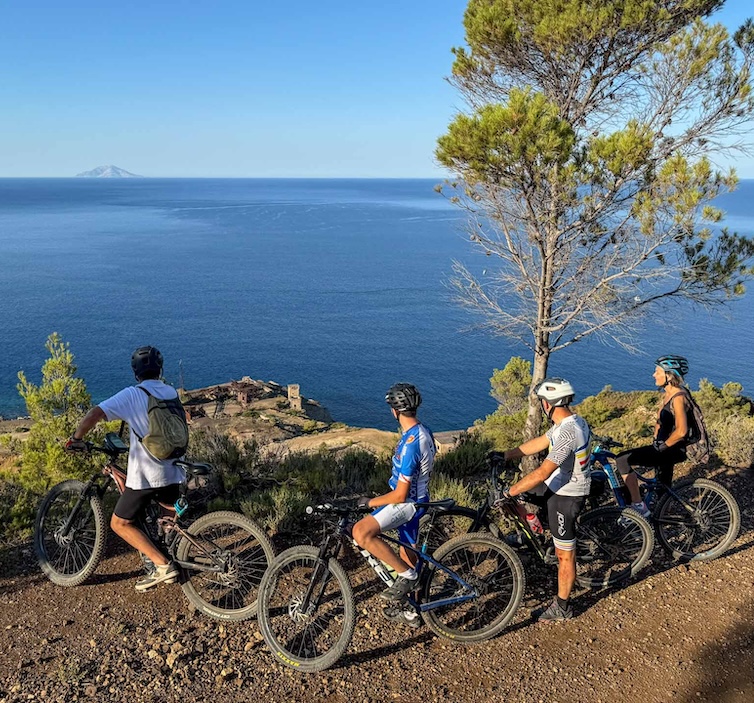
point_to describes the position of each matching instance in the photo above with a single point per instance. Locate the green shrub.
(718, 404)
(733, 440)
(466, 459)
(503, 431)
(443, 486)
(278, 510)
(310, 426)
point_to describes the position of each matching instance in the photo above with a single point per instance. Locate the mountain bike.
(696, 519)
(222, 555)
(469, 590)
(612, 543)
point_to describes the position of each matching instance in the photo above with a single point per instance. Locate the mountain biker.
(671, 430)
(412, 466)
(561, 482)
(147, 478)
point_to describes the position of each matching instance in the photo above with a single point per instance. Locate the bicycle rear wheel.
(701, 527)
(240, 550)
(612, 544)
(71, 559)
(488, 565)
(315, 637)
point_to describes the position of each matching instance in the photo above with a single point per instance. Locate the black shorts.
(562, 512)
(132, 502)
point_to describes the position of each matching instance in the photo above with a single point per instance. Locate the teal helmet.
(672, 363)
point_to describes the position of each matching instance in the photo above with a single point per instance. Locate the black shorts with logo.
(562, 512)
(132, 502)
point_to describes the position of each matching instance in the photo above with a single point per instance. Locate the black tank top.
(667, 419)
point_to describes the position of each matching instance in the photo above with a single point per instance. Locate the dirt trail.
(679, 633)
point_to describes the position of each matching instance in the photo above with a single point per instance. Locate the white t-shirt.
(569, 449)
(144, 471)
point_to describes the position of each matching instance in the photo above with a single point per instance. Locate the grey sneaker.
(400, 615)
(400, 589)
(555, 613)
(641, 508)
(167, 573)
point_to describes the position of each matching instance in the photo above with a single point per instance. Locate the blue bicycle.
(695, 519)
(469, 590)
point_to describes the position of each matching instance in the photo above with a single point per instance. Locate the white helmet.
(556, 391)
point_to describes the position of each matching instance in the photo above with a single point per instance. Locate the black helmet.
(678, 365)
(145, 360)
(403, 397)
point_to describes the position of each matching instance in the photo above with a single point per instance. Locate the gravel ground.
(678, 633)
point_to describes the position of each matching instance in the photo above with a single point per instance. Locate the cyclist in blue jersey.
(412, 466)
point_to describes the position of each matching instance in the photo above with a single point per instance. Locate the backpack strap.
(149, 395)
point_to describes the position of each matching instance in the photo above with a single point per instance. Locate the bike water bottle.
(534, 524)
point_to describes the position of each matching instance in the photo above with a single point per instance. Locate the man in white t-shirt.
(147, 478)
(563, 482)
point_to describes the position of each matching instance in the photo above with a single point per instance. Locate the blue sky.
(235, 88)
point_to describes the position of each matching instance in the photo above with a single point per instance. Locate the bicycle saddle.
(444, 504)
(194, 469)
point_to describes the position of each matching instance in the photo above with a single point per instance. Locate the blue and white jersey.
(412, 462)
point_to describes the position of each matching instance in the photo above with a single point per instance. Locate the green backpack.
(168, 434)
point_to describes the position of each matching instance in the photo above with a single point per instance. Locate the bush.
(733, 440)
(443, 486)
(466, 459)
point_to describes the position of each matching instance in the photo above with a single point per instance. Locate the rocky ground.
(679, 633)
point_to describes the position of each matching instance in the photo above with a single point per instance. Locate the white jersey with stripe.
(569, 449)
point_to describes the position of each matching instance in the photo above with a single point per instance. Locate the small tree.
(585, 164)
(55, 406)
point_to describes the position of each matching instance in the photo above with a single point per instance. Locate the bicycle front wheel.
(306, 609)
(490, 567)
(451, 523)
(701, 523)
(612, 545)
(69, 559)
(231, 553)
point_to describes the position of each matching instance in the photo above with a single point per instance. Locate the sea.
(341, 286)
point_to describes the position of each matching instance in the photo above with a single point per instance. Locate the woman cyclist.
(671, 430)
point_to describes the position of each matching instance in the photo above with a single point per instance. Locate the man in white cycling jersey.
(562, 482)
(412, 467)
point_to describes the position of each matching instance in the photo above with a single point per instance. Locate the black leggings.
(662, 462)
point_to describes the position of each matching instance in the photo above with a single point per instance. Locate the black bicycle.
(696, 519)
(222, 555)
(612, 543)
(469, 590)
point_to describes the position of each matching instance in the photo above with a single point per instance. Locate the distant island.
(107, 172)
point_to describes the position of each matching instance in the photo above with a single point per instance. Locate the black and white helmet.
(556, 391)
(403, 397)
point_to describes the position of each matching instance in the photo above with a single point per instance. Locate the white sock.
(409, 574)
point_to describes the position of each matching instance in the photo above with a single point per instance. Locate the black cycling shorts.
(562, 512)
(132, 502)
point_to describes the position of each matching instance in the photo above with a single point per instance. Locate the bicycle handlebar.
(607, 442)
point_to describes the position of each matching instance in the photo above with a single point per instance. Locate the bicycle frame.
(167, 523)
(330, 548)
(603, 456)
